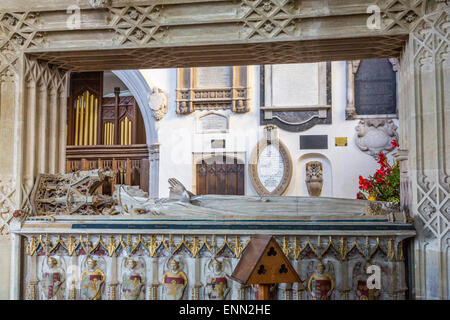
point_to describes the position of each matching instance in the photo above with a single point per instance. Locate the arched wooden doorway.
(220, 175)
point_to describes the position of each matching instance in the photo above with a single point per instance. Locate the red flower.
(358, 196)
(365, 183)
(382, 159)
(380, 180)
(395, 144)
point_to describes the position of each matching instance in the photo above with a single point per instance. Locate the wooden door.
(220, 178)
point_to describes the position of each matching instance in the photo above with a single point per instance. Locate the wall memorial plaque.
(298, 101)
(212, 88)
(270, 167)
(340, 141)
(371, 88)
(217, 144)
(314, 142)
(212, 122)
(214, 77)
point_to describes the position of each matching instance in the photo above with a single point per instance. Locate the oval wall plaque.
(270, 167)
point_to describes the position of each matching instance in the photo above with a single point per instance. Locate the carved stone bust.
(314, 178)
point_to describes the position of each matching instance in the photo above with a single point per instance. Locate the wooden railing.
(130, 163)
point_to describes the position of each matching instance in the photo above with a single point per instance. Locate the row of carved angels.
(320, 282)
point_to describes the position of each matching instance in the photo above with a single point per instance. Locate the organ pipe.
(86, 109)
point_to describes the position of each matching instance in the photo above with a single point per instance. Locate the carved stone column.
(344, 288)
(154, 170)
(153, 291)
(153, 280)
(241, 292)
(426, 74)
(32, 290)
(113, 284)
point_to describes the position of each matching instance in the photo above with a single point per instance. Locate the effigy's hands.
(176, 187)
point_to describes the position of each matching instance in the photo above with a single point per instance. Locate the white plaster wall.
(179, 139)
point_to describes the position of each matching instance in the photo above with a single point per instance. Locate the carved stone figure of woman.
(216, 282)
(52, 281)
(174, 281)
(132, 281)
(92, 281)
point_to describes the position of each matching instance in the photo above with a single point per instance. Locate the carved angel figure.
(216, 281)
(174, 281)
(132, 281)
(52, 281)
(321, 284)
(92, 281)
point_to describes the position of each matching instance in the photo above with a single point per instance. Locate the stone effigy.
(78, 194)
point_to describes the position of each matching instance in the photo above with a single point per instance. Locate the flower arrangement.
(384, 185)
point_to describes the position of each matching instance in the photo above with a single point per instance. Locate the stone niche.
(296, 97)
(212, 88)
(315, 175)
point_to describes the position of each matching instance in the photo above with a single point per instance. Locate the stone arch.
(140, 89)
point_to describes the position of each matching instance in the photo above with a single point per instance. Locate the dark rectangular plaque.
(217, 143)
(314, 142)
